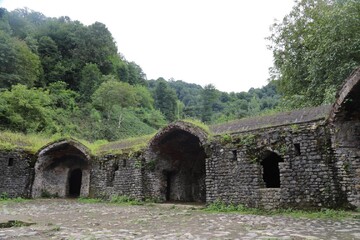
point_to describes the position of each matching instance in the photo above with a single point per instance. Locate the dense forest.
(59, 76)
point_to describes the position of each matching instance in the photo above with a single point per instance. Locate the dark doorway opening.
(271, 171)
(169, 176)
(75, 183)
(181, 167)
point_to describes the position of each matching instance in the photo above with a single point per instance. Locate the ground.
(71, 219)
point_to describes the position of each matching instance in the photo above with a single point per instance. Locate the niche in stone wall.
(180, 166)
(62, 169)
(11, 162)
(270, 169)
(297, 149)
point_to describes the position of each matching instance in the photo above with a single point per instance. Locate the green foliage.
(26, 110)
(90, 81)
(220, 206)
(4, 196)
(118, 199)
(75, 83)
(248, 139)
(165, 100)
(315, 48)
(208, 97)
(198, 124)
(226, 138)
(17, 63)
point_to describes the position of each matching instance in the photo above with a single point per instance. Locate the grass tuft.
(219, 206)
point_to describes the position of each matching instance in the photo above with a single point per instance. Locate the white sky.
(199, 41)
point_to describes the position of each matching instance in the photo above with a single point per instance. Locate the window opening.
(297, 149)
(11, 162)
(234, 152)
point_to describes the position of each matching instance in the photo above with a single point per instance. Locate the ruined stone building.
(302, 159)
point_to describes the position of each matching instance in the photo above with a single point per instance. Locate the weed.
(220, 206)
(123, 199)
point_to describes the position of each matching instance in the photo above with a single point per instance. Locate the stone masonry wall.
(307, 177)
(346, 143)
(16, 173)
(116, 175)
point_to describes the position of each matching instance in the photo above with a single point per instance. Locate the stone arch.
(270, 169)
(344, 121)
(179, 154)
(347, 104)
(62, 166)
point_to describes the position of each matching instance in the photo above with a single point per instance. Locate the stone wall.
(346, 143)
(234, 171)
(303, 165)
(116, 175)
(16, 173)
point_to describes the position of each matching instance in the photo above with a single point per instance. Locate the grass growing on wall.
(32, 143)
(198, 124)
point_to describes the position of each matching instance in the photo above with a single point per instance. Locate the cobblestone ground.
(70, 219)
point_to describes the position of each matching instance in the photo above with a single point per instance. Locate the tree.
(165, 99)
(90, 81)
(315, 48)
(112, 94)
(17, 63)
(26, 110)
(209, 96)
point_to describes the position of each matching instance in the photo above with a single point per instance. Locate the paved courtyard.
(70, 219)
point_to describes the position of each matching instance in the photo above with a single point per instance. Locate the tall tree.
(90, 81)
(165, 99)
(17, 63)
(315, 48)
(209, 96)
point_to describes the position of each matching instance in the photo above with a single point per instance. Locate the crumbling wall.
(17, 173)
(307, 178)
(117, 174)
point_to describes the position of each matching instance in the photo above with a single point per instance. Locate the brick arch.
(55, 166)
(178, 150)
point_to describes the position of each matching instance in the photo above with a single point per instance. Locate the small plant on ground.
(123, 199)
(220, 206)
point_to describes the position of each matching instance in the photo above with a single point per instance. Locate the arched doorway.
(62, 170)
(270, 169)
(75, 178)
(180, 165)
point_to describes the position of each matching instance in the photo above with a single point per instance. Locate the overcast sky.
(199, 41)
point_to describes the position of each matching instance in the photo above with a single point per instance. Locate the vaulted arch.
(180, 163)
(62, 169)
(344, 120)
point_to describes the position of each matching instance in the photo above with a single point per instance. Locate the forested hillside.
(58, 76)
